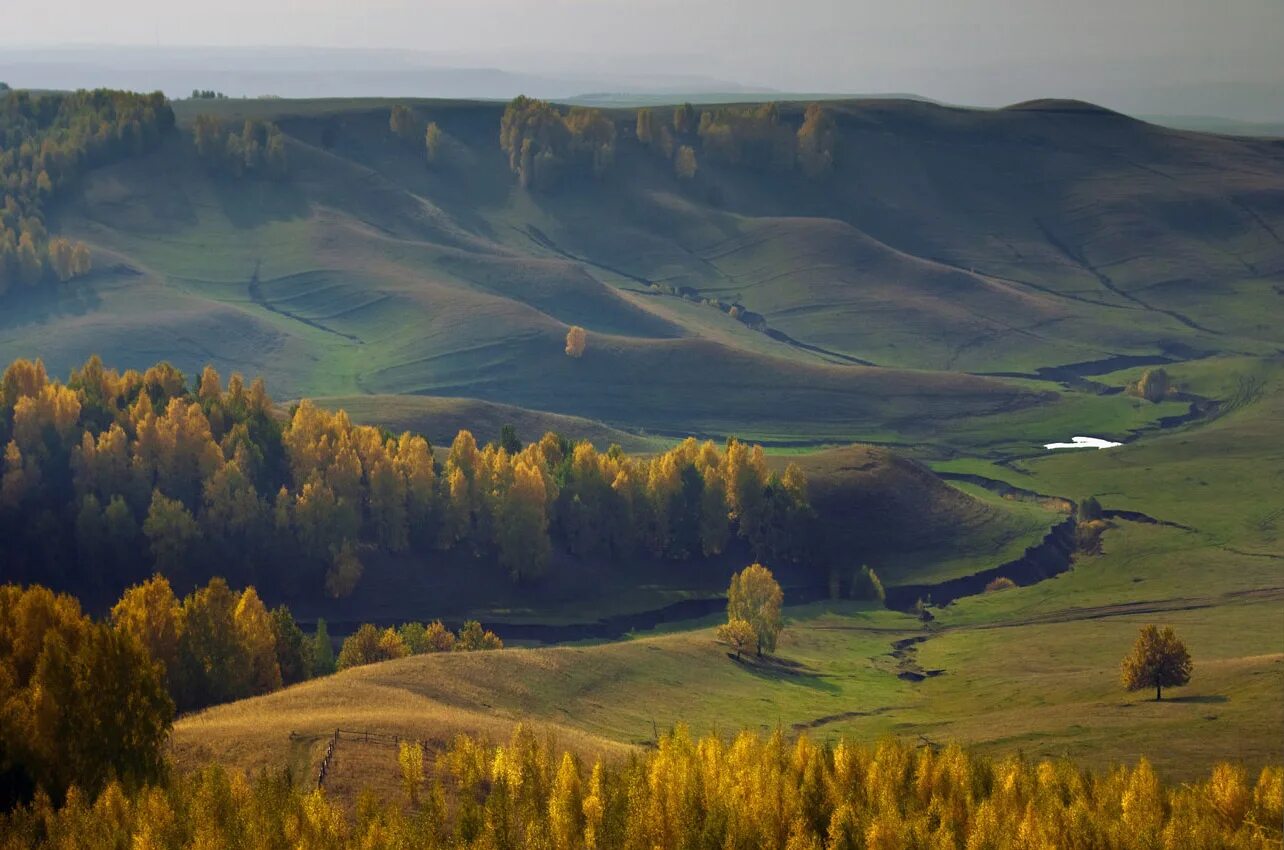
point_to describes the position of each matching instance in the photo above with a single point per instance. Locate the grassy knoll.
(894, 515)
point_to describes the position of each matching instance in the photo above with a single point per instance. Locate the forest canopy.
(154, 474)
(749, 791)
(47, 141)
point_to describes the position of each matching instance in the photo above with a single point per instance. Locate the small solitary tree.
(756, 597)
(1158, 660)
(576, 340)
(432, 142)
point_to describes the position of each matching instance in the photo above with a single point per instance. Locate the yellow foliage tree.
(149, 612)
(254, 628)
(1158, 660)
(410, 757)
(576, 340)
(755, 597)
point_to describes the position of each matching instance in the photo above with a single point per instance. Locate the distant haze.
(1174, 57)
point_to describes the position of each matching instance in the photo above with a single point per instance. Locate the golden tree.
(438, 638)
(738, 634)
(1158, 660)
(150, 613)
(432, 141)
(254, 629)
(755, 597)
(576, 340)
(411, 759)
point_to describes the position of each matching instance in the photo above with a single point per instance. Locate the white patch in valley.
(1083, 443)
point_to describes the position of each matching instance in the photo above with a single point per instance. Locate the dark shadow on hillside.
(46, 301)
(783, 670)
(249, 202)
(1200, 699)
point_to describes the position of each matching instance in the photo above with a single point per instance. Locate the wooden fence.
(361, 737)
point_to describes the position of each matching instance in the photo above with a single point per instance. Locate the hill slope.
(946, 239)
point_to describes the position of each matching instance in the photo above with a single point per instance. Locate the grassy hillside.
(947, 239)
(1031, 669)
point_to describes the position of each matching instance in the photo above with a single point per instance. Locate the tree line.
(47, 141)
(748, 791)
(369, 645)
(258, 149)
(411, 130)
(742, 136)
(111, 476)
(546, 146)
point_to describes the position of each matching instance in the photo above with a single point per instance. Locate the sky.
(969, 51)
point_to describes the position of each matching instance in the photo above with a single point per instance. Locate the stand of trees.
(47, 141)
(81, 703)
(545, 146)
(369, 645)
(406, 126)
(749, 791)
(149, 474)
(257, 150)
(742, 136)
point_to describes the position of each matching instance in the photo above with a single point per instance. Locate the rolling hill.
(963, 287)
(946, 242)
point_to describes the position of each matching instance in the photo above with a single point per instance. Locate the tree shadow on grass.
(1199, 699)
(784, 670)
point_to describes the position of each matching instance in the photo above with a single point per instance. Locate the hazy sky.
(965, 50)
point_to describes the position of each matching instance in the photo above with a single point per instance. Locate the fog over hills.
(1234, 98)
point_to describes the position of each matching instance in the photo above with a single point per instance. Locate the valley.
(989, 391)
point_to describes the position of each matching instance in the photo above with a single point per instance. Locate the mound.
(896, 515)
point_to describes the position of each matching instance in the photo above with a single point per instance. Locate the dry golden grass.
(291, 727)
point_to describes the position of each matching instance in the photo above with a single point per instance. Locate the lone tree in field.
(755, 597)
(1158, 660)
(576, 339)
